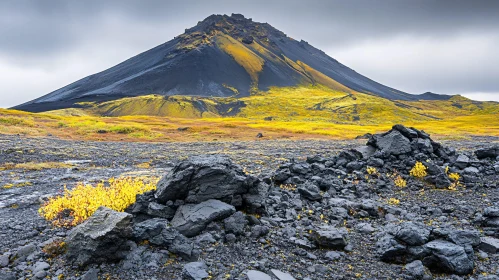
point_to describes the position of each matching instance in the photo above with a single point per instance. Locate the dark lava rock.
(490, 152)
(191, 219)
(448, 257)
(393, 143)
(212, 177)
(310, 191)
(195, 271)
(201, 178)
(412, 234)
(489, 245)
(102, 238)
(331, 238)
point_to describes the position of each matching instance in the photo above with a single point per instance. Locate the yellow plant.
(400, 182)
(83, 200)
(419, 170)
(288, 187)
(371, 170)
(454, 176)
(393, 201)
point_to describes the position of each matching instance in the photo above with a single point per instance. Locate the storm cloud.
(441, 46)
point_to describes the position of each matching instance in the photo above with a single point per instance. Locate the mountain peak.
(221, 56)
(236, 25)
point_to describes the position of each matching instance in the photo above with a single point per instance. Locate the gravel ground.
(20, 224)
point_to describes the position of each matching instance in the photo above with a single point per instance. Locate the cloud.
(465, 63)
(444, 46)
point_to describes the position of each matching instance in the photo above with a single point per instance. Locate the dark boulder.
(490, 152)
(448, 257)
(310, 191)
(192, 219)
(393, 143)
(331, 238)
(102, 238)
(202, 178)
(412, 234)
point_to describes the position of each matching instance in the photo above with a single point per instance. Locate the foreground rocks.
(325, 217)
(441, 250)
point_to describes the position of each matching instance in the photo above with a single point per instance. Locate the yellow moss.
(393, 201)
(400, 182)
(84, 200)
(251, 62)
(371, 170)
(35, 165)
(418, 171)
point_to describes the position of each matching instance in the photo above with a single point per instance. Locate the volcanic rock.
(102, 238)
(191, 219)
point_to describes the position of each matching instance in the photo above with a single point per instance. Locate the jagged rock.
(489, 245)
(465, 237)
(103, 237)
(202, 178)
(195, 271)
(462, 161)
(448, 257)
(412, 234)
(310, 191)
(331, 238)
(236, 223)
(191, 219)
(490, 152)
(393, 143)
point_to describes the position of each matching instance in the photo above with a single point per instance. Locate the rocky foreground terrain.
(260, 210)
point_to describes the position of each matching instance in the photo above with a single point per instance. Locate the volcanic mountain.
(222, 56)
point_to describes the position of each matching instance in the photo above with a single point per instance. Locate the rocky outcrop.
(211, 177)
(102, 238)
(448, 251)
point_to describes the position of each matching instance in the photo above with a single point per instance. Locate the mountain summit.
(221, 56)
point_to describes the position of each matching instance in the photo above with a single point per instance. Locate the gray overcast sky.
(444, 46)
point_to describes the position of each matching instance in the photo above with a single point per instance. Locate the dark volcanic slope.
(221, 56)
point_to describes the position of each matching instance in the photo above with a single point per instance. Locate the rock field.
(260, 210)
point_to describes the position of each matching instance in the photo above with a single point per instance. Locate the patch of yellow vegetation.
(287, 113)
(84, 200)
(318, 78)
(251, 62)
(35, 166)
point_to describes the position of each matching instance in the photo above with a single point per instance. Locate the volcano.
(222, 56)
